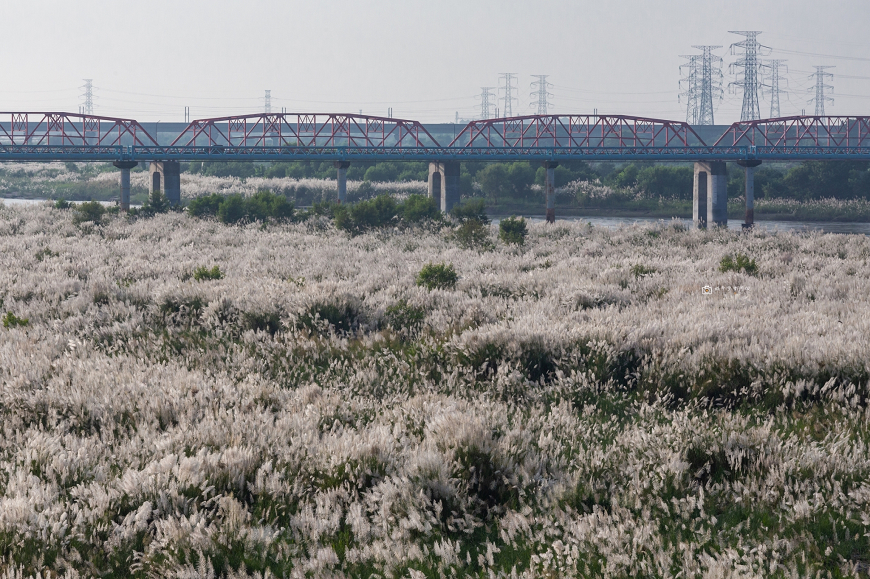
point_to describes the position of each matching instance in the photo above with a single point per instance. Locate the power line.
(692, 91)
(508, 94)
(541, 92)
(267, 103)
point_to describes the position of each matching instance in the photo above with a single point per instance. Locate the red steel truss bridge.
(55, 136)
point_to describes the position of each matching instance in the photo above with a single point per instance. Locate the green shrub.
(366, 215)
(10, 320)
(205, 206)
(472, 234)
(203, 273)
(90, 211)
(470, 210)
(403, 316)
(513, 230)
(737, 263)
(62, 204)
(418, 208)
(341, 316)
(265, 205)
(232, 209)
(437, 275)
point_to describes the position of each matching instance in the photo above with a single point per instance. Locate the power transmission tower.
(485, 95)
(710, 74)
(267, 106)
(693, 89)
(748, 75)
(508, 93)
(541, 92)
(820, 87)
(773, 66)
(88, 107)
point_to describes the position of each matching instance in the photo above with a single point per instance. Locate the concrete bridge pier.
(342, 179)
(550, 189)
(125, 167)
(166, 177)
(749, 170)
(710, 194)
(444, 184)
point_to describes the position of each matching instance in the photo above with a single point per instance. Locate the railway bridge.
(345, 138)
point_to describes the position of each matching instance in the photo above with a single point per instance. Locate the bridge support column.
(125, 167)
(342, 180)
(444, 184)
(550, 189)
(166, 177)
(749, 171)
(710, 194)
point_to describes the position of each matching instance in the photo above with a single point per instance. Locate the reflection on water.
(825, 226)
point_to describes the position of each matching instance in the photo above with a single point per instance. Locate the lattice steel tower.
(748, 76)
(508, 93)
(267, 103)
(710, 76)
(773, 66)
(692, 88)
(88, 107)
(541, 92)
(820, 87)
(485, 96)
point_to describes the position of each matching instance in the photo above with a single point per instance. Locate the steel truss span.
(340, 137)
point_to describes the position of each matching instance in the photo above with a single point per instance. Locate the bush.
(418, 208)
(10, 320)
(156, 203)
(232, 209)
(203, 273)
(737, 263)
(62, 204)
(472, 235)
(513, 230)
(366, 215)
(471, 210)
(437, 276)
(205, 206)
(90, 211)
(403, 316)
(641, 270)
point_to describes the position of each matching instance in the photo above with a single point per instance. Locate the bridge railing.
(306, 130)
(71, 129)
(577, 131)
(800, 132)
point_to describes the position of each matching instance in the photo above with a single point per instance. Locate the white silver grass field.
(575, 407)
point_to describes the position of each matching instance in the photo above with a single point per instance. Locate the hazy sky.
(426, 60)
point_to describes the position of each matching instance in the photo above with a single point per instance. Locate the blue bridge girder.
(46, 153)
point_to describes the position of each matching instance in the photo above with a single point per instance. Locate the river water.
(613, 222)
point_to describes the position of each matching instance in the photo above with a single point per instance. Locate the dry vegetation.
(573, 406)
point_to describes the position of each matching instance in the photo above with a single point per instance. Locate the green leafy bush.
(10, 320)
(470, 210)
(473, 234)
(513, 230)
(403, 316)
(203, 273)
(437, 276)
(90, 211)
(205, 206)
(737, 263)
(62, 204)
(232, 209)
(366, 215)
(418, 208)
